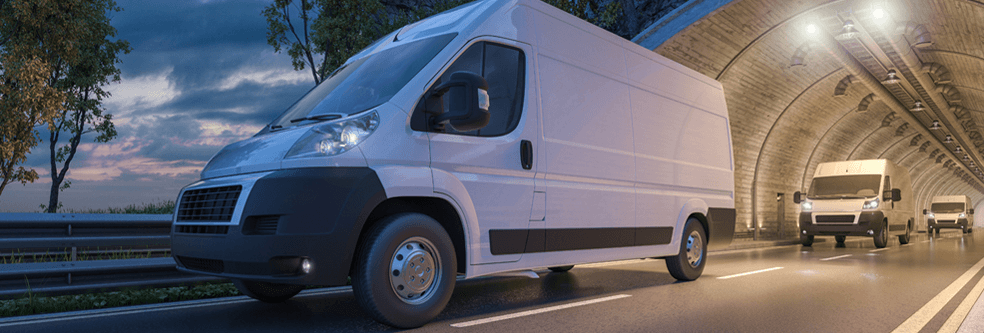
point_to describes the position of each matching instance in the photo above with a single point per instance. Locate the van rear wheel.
(405, 270)
(806, 240)
(840, 239)
(267, 292)
(689, 263)
(904, 238)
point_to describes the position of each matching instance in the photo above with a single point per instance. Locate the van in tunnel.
(950, 211)
(871, 198)
(499, 137)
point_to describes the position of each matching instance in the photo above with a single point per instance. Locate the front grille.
(200, 264)
(214, 204)
(835, 218)
(946, 221)
(203, 229)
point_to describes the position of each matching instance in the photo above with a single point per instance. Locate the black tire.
(937, 230)
(392, 248)
(964, 230)
(689, 263)
(267, 292)
(840, 239)
(881, 237)
(904, 238)
(560, 269)
(806, 240)
(929, 231)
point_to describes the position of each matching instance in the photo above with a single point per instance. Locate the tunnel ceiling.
(816, 81)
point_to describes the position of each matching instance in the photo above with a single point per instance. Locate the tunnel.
(808, 82)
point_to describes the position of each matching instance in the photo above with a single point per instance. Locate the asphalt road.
(824, 288)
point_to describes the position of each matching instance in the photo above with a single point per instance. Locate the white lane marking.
(952, 324)
(879, 250)
(748, 273)
(837, 257)
(918, 320)
(117, 311)
(975, 319)
(537, 311)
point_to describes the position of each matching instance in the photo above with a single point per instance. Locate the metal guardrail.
(27, 235)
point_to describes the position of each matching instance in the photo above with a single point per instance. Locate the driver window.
(504, 68)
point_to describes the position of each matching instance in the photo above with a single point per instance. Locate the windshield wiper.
(325, 116)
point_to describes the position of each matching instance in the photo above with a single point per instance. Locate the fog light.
(804, 231)
(871, 232)
(306, 266)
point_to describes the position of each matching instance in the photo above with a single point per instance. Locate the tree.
(322, 34)
(82, 81)
(30, 31)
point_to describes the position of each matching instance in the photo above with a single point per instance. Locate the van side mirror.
(970, 211)
(469, 103)
(896, 194)
(924, 212)
(797, 197)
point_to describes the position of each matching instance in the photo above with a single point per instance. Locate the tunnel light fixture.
(891, 77)
(966, 157)
(811, 28)
(948, 139)
(878, 13)
(958, 149)
(936, 125)
(848, 32)
(918, 107)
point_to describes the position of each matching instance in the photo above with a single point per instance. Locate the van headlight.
(931, 215)
(807, 206)
(962, 215)
(333, 138)
(872, 204)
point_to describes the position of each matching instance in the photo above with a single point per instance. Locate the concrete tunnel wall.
(797, 99)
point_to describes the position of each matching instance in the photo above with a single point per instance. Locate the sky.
(200, 76)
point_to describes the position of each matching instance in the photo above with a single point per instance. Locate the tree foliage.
(82, 80)
(30, 32)
(319, 35)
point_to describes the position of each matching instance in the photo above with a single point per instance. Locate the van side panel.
(587, 136)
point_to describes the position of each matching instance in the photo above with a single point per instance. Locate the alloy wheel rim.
(695, 249)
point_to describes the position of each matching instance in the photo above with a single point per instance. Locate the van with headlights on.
(499, 137)
(950, 211)
(871, 198)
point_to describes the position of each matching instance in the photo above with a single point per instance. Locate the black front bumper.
(807, 227)
(310, 213)
(959, 224)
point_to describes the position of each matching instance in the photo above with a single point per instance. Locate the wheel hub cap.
(695, 249)
(413, 269)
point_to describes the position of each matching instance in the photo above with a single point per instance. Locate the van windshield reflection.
(949, 207)
(845, 187)
(365, 83)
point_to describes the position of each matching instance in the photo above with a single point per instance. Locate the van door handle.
(526, 154)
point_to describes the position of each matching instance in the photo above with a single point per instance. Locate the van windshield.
(364, 83)
(947, 207)
(845, 187)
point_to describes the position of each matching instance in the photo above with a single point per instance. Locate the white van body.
(870, 198)
(596, 149)
(950, 211)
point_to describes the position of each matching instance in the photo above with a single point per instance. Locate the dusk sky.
(200, 76)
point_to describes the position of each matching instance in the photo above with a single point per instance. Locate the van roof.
(950, 198)
(858, 167)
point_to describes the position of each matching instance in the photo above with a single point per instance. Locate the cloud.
(142, 92)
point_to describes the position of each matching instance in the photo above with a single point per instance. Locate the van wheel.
(405, 270)
(267, 292)
(806, 240)
(904, 238)
(881, 238)
(689, 263)
(840, 239)
(560, 269)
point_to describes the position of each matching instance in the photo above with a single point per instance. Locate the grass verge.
(31, 304)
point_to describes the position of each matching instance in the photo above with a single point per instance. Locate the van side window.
(504, 68)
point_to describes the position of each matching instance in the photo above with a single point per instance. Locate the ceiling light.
(811, 28)
(948, 139)
(918, 107)
(878, 13)
(891, 77)
(936, 125)
(966, 157)
(848, 32)
(958, 150)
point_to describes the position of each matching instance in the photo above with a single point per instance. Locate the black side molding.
(514, 241)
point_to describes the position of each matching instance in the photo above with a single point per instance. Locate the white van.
(497, 137)
(950, 211)
(870, 198)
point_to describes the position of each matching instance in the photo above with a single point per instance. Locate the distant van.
(498, 137)
(871, 198)
(950, 211)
